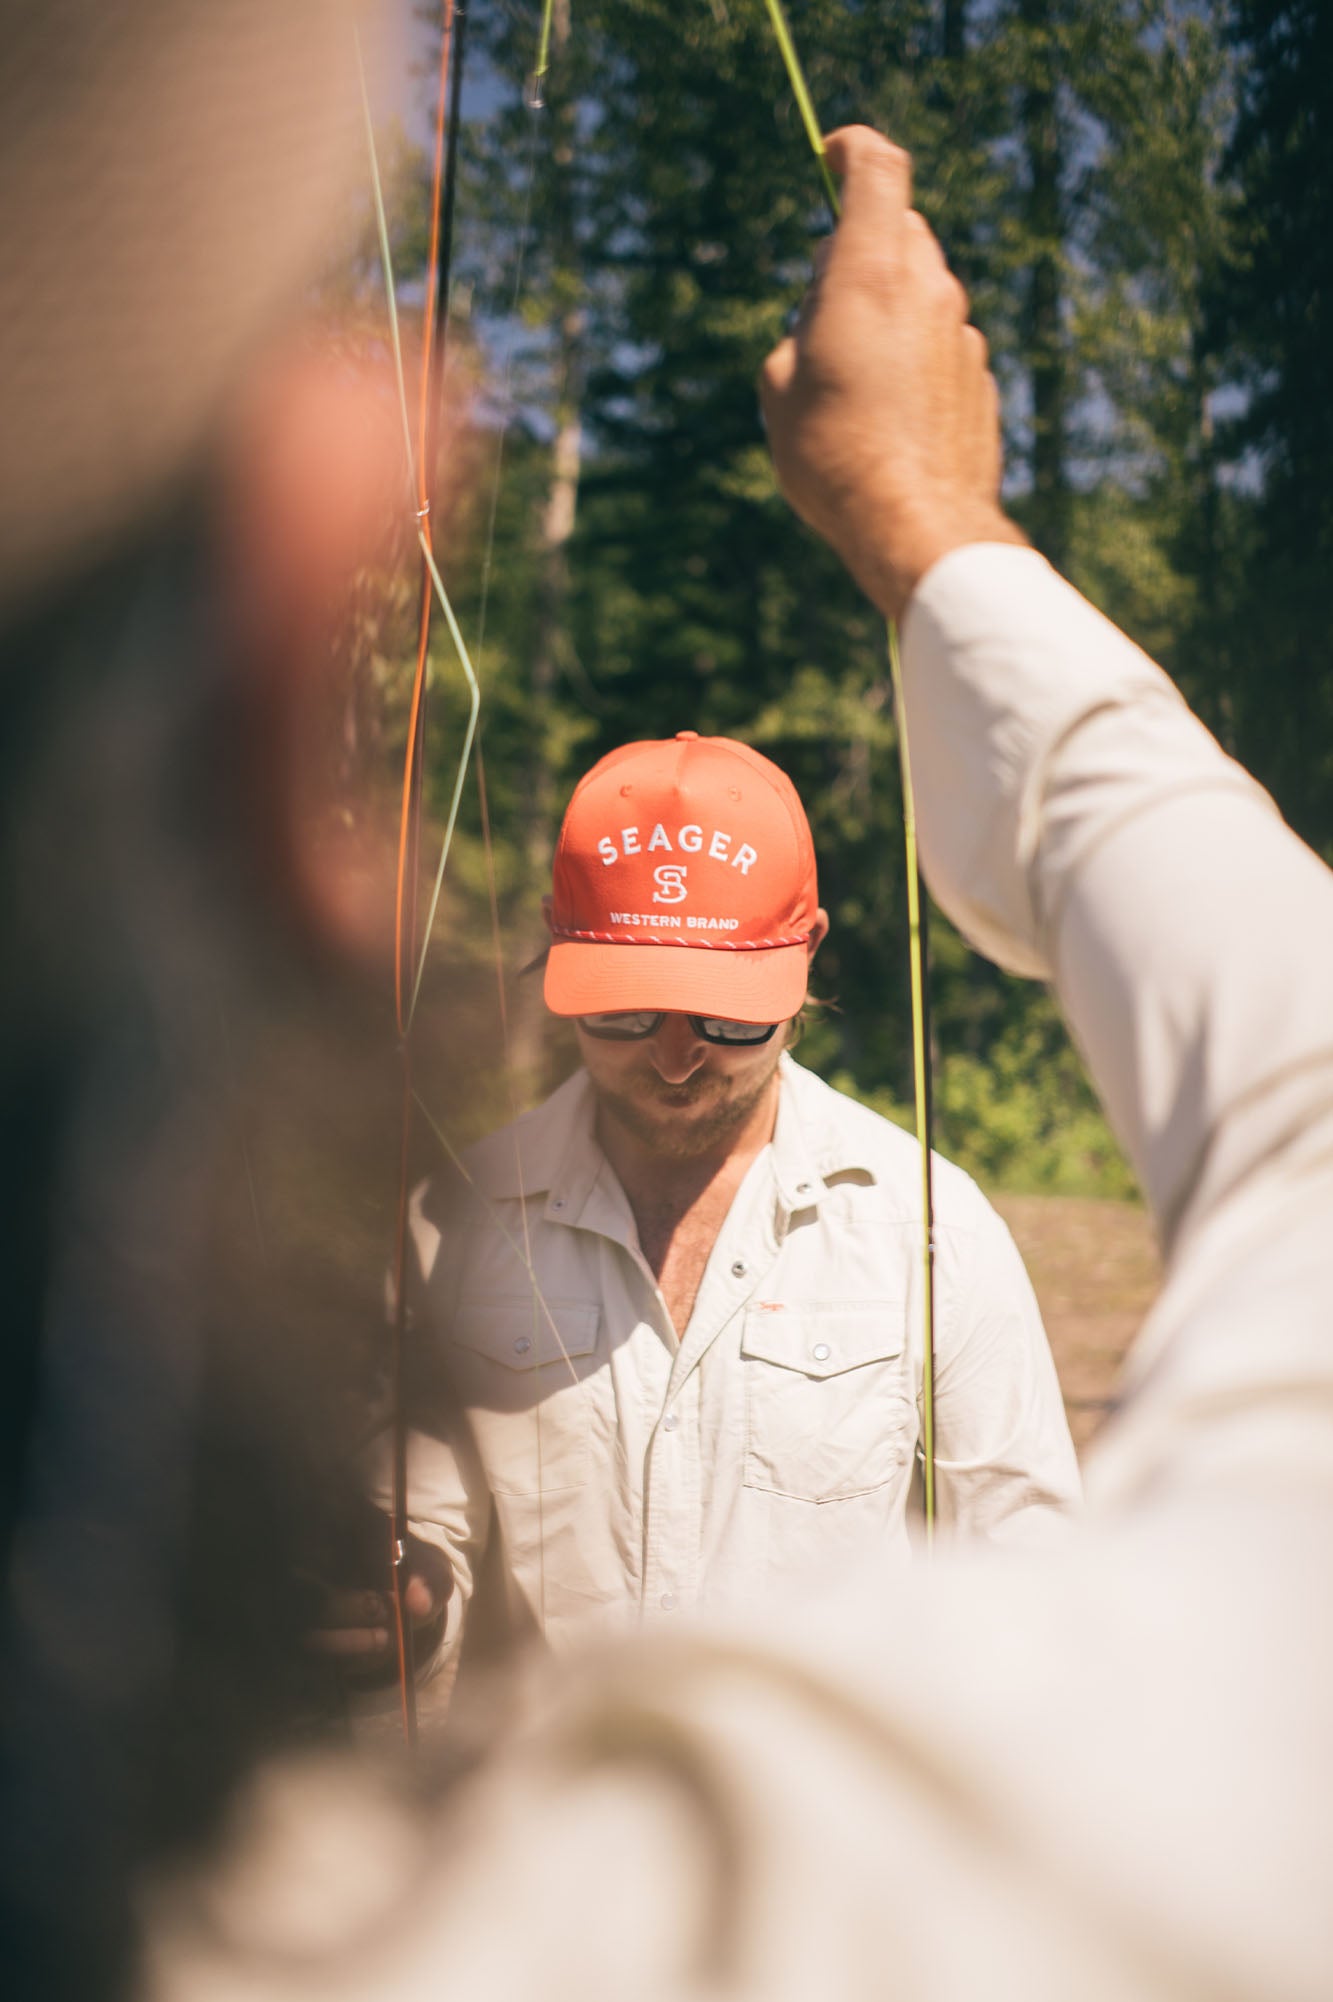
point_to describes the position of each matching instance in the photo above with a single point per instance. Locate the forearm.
(1077, 822)
(889, 566)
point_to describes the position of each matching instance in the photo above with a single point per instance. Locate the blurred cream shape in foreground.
(175, 171)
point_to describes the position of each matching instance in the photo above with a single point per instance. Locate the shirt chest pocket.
(520, 1367)
(829, 1408)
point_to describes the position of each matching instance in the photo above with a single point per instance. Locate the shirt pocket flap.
(528, 1333)
(824, 1341)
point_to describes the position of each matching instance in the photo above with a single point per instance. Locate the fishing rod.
(918, 942)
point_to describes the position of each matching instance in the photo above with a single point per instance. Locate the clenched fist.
(881, 410)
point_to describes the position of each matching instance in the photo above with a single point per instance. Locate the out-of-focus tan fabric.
(172, 173)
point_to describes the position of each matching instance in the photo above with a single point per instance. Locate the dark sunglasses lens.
(717, 1029)
(623, 1028)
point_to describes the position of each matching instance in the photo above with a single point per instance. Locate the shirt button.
(669, 1422)
(738, 1269)
(559, 1203)
(524, 1343)
(668, 1602)
(821, 1352)
(803, 1188)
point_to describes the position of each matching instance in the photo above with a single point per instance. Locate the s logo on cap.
(670, 880)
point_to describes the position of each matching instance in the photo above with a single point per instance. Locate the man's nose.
(675, 1051)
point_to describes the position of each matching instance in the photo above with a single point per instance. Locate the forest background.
(1138, 195)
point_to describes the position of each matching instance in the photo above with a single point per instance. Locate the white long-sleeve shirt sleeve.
(1189, 935)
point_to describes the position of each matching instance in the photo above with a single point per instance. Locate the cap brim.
(764, 986)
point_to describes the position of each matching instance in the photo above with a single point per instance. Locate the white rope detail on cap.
(692, 944)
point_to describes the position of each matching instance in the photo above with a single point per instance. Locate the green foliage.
(1024, 1119)
(1272, 326)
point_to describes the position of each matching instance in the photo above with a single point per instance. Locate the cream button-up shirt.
(770, 1449)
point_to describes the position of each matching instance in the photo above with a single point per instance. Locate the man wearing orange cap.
(673, 1320)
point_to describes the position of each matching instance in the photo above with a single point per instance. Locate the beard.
(683, 1122)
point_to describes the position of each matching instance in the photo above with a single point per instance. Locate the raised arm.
(1076, 820)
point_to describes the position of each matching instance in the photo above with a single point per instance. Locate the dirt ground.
(1095, 1269)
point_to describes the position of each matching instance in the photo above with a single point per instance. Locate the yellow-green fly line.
(917, 955)
(536, 91)
(915, 911)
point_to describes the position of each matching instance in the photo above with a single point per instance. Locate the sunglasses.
(637, 1025)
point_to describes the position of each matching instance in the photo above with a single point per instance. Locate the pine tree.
(1275, 324)
(1066, 156)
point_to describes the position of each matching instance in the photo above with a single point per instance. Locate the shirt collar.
(553, 1151)
(814, 1141)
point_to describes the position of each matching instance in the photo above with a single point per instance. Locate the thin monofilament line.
(506, 378)
(432, 361)
(540, 1305)
(435, 304)
(445, 191)
(419, 510)
(386, 262)
(398, 1432)
(417, 469)
(915, 907)
(437, 582)
(483, 608)
(470, 731)
(444, 207)
(492, 893)
(804, 102)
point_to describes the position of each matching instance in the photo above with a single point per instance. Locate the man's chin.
(678, 1123)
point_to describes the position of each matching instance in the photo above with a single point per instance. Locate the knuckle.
(860, 150)
(952, 296)
(890, 160)
(776, 371)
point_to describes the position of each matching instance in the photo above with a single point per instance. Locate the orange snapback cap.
(684, 879)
